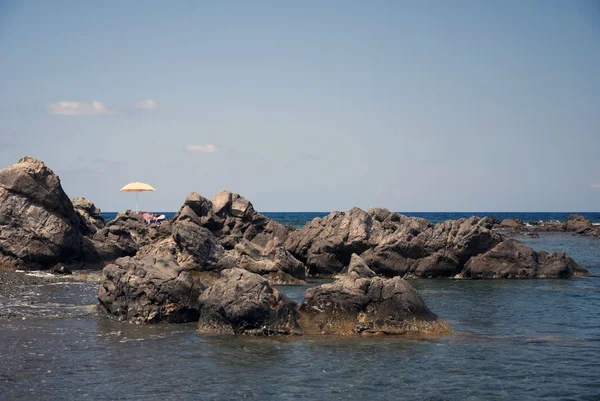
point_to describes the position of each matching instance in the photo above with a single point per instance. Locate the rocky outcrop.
(392, 244)
(511, 259)
(244, 303)
(361, 303)
(149, 290)
(580, 225)
(231, 218)
(273, 262)
(90, 218)
(38, 224)
(575, 223)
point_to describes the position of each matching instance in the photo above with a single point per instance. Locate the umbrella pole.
(137, 199)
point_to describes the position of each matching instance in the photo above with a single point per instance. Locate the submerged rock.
(361, 303)
(511, 259)
(150, 290)
(244, 303)
(38, 224)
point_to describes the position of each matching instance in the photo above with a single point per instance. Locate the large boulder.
(38, 224)
(90, 218)
(511, 259)
(361, 303)
(578, 224)
(244, 303)
(150, 290)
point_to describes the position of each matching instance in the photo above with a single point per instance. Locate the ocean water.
(512, 340)
(298, 219)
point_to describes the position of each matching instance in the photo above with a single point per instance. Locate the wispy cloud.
(148, 104)
(201, 148)
(595, 186)
(70, 108)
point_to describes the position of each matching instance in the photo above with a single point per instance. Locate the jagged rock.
(359, 303)
(273, 262)
(578, 224)
(231, 218)
(244, 303)
(390, 243)
(38, 224)
(326, 244)
(192, 246)
(150, 290)
(511, 259)
(89, 216)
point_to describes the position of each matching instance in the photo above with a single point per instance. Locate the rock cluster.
(359, 302)
(575, 224)
(217, 260)
(392, 244)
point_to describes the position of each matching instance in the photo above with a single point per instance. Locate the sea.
(298, 219)
(511, 340)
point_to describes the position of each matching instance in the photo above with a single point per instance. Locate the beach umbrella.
(137, 187)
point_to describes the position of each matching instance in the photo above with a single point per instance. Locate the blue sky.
(309, 106)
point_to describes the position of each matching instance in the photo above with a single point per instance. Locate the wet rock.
(38, 224)
(61, 268)
(359, 303)
(244, 303)
(511, 259)
(150, 290)
(90, 216)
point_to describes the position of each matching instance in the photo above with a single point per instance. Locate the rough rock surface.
(89, 216)
(511, 259)
(38, 224)
(244, 303)
(273, 262)
(149, 290)
(360, 303)
(391, 244)
(580, 225)
(231, 218)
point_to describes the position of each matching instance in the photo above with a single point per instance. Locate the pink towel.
(148, 217)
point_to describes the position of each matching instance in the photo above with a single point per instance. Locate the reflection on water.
(524, 340)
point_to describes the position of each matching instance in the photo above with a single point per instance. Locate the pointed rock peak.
(221, 201)
(358, 267)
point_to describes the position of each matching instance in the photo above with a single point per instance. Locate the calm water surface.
(513, 340)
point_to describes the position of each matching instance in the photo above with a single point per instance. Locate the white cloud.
(148, 104)
(69, 108)
(201, 148)
(595, 186)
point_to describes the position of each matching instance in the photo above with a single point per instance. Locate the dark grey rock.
(355, 304)
(150, 290)
(38, 224)
(244, 303)
(511, 259)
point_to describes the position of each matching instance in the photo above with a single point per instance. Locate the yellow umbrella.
(137, 187)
